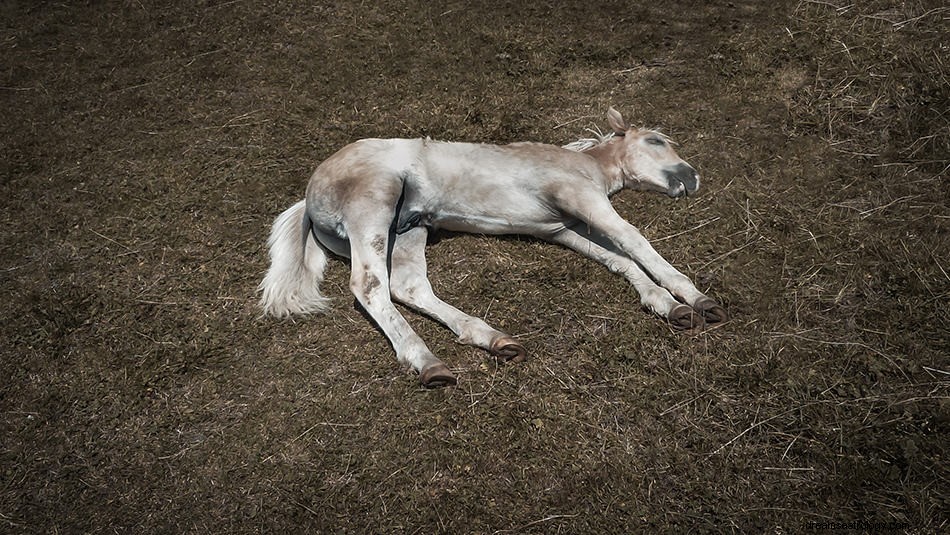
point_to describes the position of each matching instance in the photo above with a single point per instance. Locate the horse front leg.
(599, 214)
(652, 296)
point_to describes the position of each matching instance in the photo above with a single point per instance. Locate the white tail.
(297, 262)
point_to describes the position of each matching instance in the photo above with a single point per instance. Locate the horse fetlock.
(657, 300)
(475, 332)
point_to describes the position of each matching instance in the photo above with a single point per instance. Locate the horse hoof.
(683, 318)
(711, 311)
(507, 349)
(436, 376)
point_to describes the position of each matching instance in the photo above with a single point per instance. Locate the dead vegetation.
(147, 147)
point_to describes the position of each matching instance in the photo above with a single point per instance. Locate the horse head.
(648, 162)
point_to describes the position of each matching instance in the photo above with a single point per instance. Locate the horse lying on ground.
(376, 200)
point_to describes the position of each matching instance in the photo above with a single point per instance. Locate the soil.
(146, 147)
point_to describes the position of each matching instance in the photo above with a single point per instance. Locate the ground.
(148, 146)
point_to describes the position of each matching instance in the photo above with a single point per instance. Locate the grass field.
(147, 147)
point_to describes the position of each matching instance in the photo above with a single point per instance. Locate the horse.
(375, 201)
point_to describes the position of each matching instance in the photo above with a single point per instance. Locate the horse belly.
(530, 218)
(482, 202)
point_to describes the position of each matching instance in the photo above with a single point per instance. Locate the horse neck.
(609, 156)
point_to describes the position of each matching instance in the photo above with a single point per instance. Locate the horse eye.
(653, 140)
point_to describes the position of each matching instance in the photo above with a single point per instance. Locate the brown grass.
(147, 147)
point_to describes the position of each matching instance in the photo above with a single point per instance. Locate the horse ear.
(615, 120)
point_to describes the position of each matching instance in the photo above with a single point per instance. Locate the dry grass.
(146, 150)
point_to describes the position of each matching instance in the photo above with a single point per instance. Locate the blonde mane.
(600, 138)
(588, 143)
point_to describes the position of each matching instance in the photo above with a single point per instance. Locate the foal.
(376, 200)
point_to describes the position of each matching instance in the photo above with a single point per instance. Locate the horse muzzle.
(682, 180)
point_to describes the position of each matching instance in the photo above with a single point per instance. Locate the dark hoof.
(683, 318)
(507, 349)
(436, 376)
(711, 311)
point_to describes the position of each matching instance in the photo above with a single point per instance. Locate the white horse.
(376, 200)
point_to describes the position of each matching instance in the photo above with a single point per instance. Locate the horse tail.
(297, 263)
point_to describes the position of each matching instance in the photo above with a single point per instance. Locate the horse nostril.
(694, 182)
(677, 189)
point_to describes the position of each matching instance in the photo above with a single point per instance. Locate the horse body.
(462, 187)
(375, 201)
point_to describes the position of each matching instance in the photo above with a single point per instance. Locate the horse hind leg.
(370, 283)
(411, 286)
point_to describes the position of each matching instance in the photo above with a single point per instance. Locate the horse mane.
(588, 143)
